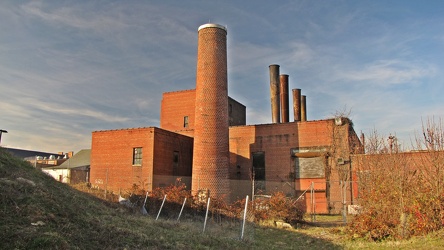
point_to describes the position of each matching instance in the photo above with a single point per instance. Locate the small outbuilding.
(74, 170)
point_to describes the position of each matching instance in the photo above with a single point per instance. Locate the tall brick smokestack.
(211, 150)
(274, 93)
(297, 104)
(283, 89)
(303, 108)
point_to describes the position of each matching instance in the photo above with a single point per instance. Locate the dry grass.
(36, 212)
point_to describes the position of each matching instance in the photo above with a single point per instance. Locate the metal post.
(245, 216)
(313, 203)
(161, 206)
(183, 205)
(344, 202)
(1, 132)
(252, 184)
(206, 215)
(144, 212)
(106, 183)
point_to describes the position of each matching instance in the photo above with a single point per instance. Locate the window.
(175, 162)
(137, 156)
(259, 166)
(185, 121)
(175, 159)
(259, 171)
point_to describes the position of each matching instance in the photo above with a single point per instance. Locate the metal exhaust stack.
(303, 108)
(274, 93)
(284, 98)
(297, 104)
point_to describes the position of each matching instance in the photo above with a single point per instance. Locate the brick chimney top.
(212, 25)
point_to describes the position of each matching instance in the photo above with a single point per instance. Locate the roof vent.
(338, 121)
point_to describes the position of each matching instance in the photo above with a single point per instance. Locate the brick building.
(244, 160)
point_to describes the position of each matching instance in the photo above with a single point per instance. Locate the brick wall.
(236, 113)
(278, 141)
(166, 145)
(210, 155)
(176, 105)
(112, 157)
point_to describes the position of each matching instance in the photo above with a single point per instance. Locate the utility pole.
(1, 132)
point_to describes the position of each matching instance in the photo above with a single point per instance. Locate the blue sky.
(68, 68)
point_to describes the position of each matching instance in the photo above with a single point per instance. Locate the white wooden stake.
(144, 212)
(183, 205)
(206, 215)
(245, 216)
(161, 206)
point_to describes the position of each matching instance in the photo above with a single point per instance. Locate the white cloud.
(386, 72)
(95, 65)
(74, 17)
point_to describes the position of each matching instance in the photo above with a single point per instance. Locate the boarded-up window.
(259, 171)
(312, 167)
(259, 166)
(185, 121)
(175, 162)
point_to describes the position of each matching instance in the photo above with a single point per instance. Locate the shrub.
(278, 207)
(401, 194)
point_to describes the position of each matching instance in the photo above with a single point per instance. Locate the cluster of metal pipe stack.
(280, 98)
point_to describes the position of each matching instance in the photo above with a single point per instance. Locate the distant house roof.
(23, 153)
(81, 159)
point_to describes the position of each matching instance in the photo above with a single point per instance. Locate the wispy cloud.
(386, 72)
(93, 65)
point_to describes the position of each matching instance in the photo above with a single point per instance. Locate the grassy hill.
(37, 212)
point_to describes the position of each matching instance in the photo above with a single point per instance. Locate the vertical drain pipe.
(283, 88)
(274, 93)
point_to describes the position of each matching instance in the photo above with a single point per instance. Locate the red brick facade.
(177, 105)
(210, 161)
(112, 165)
(283, 146)
(196, 143)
